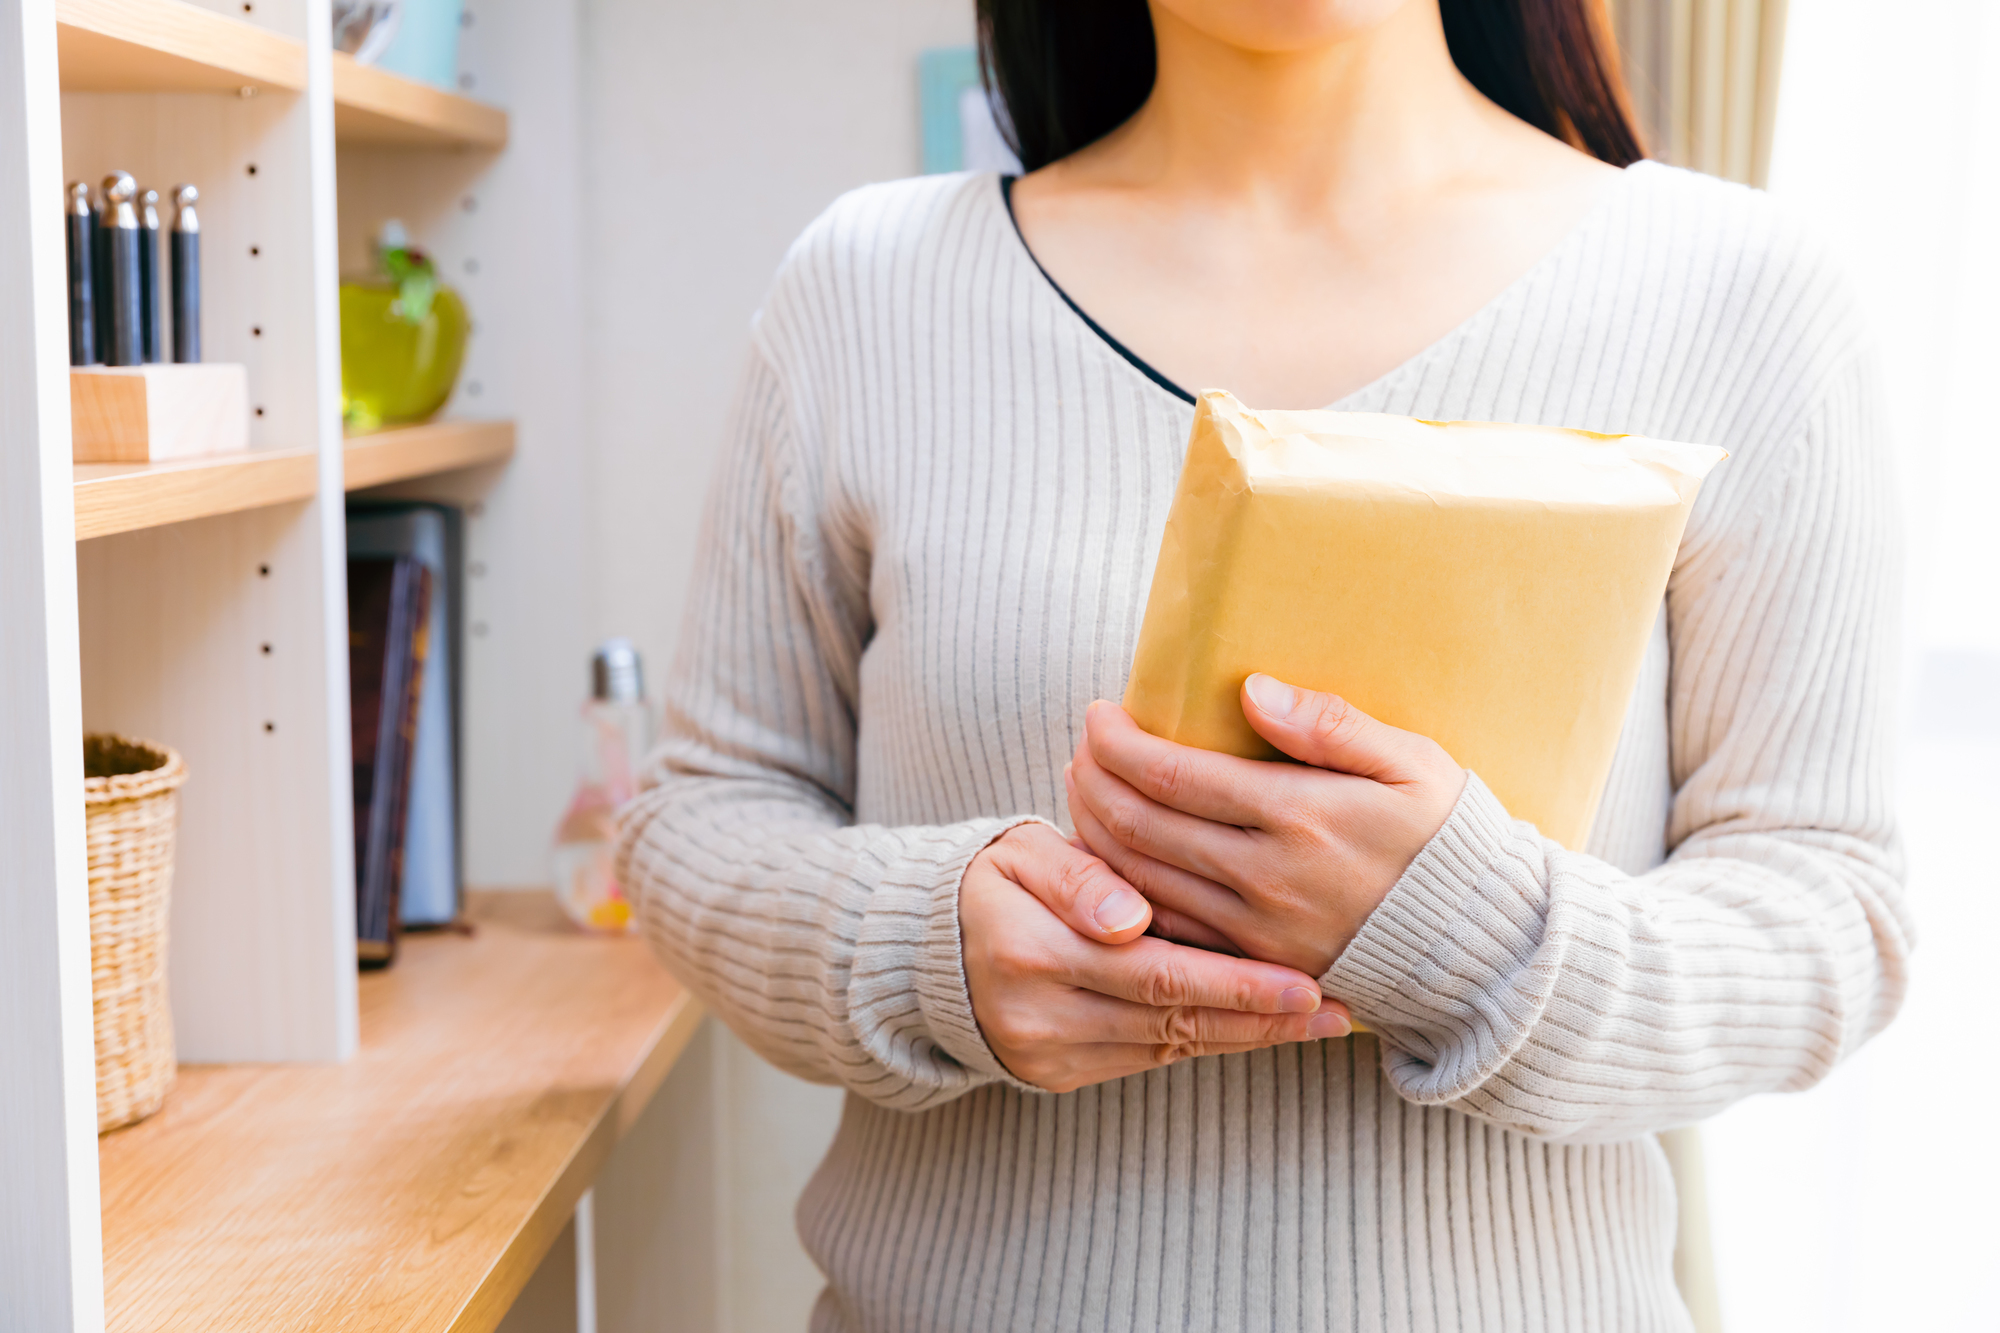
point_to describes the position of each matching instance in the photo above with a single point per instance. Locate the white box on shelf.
(145, 414)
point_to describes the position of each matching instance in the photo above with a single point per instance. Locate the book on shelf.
(432, 534)
(388, 637)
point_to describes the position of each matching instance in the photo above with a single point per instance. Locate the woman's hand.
(1069, 990)
(1283, 861)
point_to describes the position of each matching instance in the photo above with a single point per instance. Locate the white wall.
(712, 133)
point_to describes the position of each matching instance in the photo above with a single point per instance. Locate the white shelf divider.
(51, 1246)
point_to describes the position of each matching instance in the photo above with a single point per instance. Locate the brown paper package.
(1490, 586)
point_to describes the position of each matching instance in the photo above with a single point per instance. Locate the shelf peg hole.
(472, 266)
(263, 571)
(464, 18)
(255, 251)
(250, 170)
(470, 203)
(270, 726)
(477, 569)
(256, 330)
(259, 411)
(266, 650)
(474, 387)
(478, 629)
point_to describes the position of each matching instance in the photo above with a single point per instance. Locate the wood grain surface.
(124, 497)
(169, 46)
(149, 414)
(416, 1187)
(374, 106)
(418, 451)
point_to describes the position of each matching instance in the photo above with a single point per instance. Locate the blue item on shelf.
(960, 125)
(425, 46)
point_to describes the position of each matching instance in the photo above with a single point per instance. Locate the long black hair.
(1070, 71)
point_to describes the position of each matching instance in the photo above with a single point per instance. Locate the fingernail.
(1273, 696)
(1332, 1023)
(1297, 1000)
(1120, 909)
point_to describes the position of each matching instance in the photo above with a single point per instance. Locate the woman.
(927, 554)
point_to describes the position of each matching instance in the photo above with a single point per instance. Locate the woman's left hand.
(1282, 861)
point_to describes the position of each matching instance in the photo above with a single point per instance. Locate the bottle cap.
(614, 672)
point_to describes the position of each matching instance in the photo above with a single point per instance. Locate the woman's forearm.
(830, 947)
(1548, 992)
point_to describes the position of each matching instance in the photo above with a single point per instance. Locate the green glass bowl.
(391, 370)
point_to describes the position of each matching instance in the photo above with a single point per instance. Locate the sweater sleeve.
(830, 947)
(1552, 994)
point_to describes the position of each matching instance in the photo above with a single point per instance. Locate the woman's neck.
(1294, 212)
(1381, 111)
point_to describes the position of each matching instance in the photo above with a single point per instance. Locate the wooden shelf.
(417, 1186)
(122, 497)
(169, 46)
(373, 106)
(403, 452)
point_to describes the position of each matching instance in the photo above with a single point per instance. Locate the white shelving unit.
(174, 618)
(203, 603)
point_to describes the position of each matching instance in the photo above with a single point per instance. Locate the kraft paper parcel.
(1490, 586)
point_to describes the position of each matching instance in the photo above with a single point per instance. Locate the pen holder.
(146, 414)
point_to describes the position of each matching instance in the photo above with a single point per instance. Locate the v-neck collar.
(1593, 218)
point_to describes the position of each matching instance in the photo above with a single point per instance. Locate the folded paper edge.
(1679, 459)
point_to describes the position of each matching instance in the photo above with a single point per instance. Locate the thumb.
(1326, 731)
(1073, 883)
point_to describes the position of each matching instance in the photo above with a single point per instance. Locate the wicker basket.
(129, 809)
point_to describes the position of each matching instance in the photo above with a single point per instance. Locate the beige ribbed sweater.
(928, 549)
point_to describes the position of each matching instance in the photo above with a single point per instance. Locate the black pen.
(149, 277)
(80, 241)
(120, 273)
(186, 245)
(100, 281)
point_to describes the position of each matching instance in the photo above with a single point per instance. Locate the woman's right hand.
(1069, 990)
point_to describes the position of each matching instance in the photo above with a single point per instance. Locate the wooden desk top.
(416, 1187)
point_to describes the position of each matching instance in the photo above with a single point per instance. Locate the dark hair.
(1068, 72)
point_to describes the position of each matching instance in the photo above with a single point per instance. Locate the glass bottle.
(617, 731)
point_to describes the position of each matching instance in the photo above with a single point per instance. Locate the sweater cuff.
(942, 992)
(1442, 960)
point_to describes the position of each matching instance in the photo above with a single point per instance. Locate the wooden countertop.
(415, 1187)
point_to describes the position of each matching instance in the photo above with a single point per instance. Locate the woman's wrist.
(1437, 934)
(942, 988)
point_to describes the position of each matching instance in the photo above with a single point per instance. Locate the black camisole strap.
(1007, 196)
